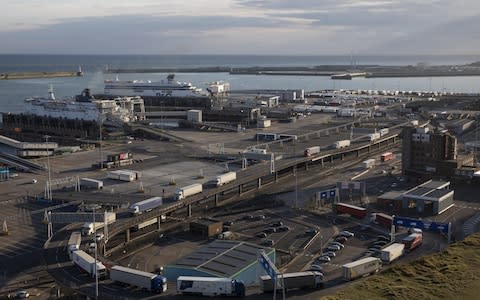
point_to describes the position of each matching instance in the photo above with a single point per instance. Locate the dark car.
(341, 239)
(261, 235)
(283, 228)
(228, 223)
(270, 230)
(277, 224)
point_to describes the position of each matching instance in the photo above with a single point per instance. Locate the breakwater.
(29, 75)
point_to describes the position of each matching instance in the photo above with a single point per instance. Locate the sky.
(281, 27)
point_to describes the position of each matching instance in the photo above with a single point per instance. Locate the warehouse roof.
(222, 257)
(435, 184)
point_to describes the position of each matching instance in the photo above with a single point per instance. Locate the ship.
(164, 88)
(83, 107)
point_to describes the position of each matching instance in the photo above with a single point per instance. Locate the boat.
(83, 107)
(161, 89)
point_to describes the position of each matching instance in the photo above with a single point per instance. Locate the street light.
(95, 239)
(49, 188)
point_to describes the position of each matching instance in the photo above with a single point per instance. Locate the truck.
(145, 205)
(383, 131)
(187, 191)
(145, 224)
(122, 175)
(87, 264)
(225, 178)
(412, 241)
(297, 280)
(89, 228)
(361, 267)
(392, 252)
(90, 183)
(210, 286)
(383, 220)
(74, 242)
(341, 144)
(369, 163)
(149, 281)
(354, 211)
(373, 136)
(311, 151)
(256, 151)
(386, 156)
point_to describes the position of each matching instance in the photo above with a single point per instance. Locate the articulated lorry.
(311, 151)
(297, 280)
(91, 183)
(210, 286)
(361, 267)
(87, 263)
(225, 178)
(189, 190)
(392, 252)
(341, 144)
(148, 281)
(90, 227)
(412, 241)
(145, 205)
(74, 242)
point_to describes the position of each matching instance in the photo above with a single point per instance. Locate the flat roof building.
(223, 259)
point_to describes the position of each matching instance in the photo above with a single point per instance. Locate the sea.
(13, 92)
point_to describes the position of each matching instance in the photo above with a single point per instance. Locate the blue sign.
(421, 224)
(267, 265)
(328, 194)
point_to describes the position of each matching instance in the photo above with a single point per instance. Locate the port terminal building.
(222, 259)
(427, 199)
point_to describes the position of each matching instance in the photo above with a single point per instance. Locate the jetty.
(30, 75)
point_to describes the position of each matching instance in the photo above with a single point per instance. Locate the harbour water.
(13, 92)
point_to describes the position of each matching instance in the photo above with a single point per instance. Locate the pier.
(30, 75)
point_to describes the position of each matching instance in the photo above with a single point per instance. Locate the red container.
(383, 219)
(386, 156)
(354, 211)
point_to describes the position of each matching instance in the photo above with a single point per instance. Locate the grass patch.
(450, 274)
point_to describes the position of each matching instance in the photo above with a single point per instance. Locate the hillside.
(451, 274)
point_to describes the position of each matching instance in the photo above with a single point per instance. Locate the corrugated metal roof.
(222, 257)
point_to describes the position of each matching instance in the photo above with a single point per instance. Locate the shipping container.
(91, 183)
(369, 163)
(362, 267)
(386, 156)
(210, 286)
(311, 151)
(298, 280)
(146, 280)
(354, 211)
(412, 241)
(392, 252)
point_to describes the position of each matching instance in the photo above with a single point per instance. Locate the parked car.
(283, 228)
(277, 224)
(311, 231)
(261, 235)
(341, 240)
(316, 267)
(379, 243)
(270, 230)
(383, 238)
(248, 217)
(330, 254)
(333, 248)
(268, 242)
(259, 217)
(346, 233)
(22, 294)
(323, 259)
(228, 223)
(338, 244)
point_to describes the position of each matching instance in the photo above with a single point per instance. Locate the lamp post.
(49, 188)
(95, 239)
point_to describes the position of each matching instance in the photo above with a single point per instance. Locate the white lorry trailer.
(145, 205)
(361, 267)
(373, 136)
(189, 190)
(297, 280)
(90, 183)
(225, 178)
(87, 263)
(311, 151)
(341, 144)
(384, 131)
(369, 163)
(74, 242)
(210, 286)
(145, 224)
(392, 252)
(148, 281)
(90, 228)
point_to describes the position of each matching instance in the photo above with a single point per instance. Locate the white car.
(333, 248)
(347, 234)
(22, 294)
(316, 267)
(338, 244)
(323, 259)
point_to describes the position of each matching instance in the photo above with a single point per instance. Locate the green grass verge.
(451, 274)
